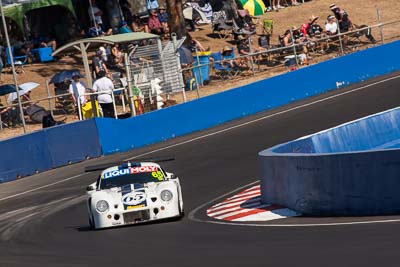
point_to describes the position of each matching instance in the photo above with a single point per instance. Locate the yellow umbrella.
(255, 7)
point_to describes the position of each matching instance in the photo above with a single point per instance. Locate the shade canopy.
(17, 9)
(111, 39)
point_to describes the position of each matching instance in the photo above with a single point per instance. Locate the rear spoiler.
(104, 166)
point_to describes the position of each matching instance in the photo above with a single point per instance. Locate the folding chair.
(219, 24)
(224, 30)
(220, 69)
(268, 26)
(19, 61)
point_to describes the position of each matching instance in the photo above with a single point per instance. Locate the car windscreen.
(118, 178)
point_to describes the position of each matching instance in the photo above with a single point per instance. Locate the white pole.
(49, 97)
(130, 85)
(10, 54)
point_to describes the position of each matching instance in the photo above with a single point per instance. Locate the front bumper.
(135, 216)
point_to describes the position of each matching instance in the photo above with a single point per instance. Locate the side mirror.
(90, 188)
(173, 176)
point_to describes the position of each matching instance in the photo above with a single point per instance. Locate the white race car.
(133, 193)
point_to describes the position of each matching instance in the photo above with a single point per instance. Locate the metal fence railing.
(292, 55)
(145, 65)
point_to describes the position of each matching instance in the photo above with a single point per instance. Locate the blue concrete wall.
(116, 136)
(49, 148)
(347, 170)
(73, 142)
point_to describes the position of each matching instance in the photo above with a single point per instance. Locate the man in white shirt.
(104, 87)
(77, 89)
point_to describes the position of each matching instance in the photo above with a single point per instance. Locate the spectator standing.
(268, 5)
(98, 64)
(104, 87)
(95, 13)
(276, 5)
(77, 89)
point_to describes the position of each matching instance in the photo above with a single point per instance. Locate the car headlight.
(166, 195)
(102, 206)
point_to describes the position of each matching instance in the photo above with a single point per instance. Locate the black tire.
(181, 211)
(92, 225)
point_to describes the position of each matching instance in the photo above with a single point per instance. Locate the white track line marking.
(40, 187)
(265, 117)
(214, 133)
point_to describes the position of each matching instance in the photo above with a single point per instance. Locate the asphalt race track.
(43, 219)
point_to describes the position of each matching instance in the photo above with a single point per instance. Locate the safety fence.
(291, 57)
(46, 149)
(154, 77)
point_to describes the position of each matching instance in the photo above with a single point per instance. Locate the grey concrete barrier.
(340, 171)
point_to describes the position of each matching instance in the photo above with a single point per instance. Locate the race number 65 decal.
(158, 174)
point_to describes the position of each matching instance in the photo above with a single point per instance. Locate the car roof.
(129, 165)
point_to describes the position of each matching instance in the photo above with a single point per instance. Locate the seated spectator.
(123, 27)
(243, 47)
(300, 38)
(43, 41)
(345, 24)
(117, 55)
(286, 39)
(138, 26)
(245, 21)
(96, 30)
(163, 18)
(331, 27)
(264, 41)
(229, 57)
(154, 23)
(315, 32)
(314, 29)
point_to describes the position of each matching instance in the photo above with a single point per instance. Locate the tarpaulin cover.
(18, 9)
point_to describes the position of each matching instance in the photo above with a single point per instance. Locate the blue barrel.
(204, 58)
